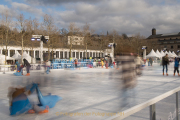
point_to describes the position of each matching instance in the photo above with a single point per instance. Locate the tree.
(48, 28)
(87, 32)
(6, 23)
(21, 24)
(73, 30)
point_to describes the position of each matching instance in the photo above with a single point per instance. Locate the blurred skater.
(165, 63)
(150, 61)
(139, 63)
(27, 65)
(176, 66)
(18, 66)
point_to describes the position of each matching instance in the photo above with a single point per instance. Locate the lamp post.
(42, 39)
(144, 52)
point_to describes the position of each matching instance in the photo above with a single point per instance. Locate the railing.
(11, 68)
(151, 104)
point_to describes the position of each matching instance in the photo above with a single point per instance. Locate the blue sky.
(124, 16)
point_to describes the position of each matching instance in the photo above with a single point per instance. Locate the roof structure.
(152, 54)
(164, 35)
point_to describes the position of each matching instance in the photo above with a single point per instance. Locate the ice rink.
(93, 94)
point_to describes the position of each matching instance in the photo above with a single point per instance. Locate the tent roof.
(7, 57)
(16, 55)
(162, 53)
(174, 54)
(158, 53)
(152, 54)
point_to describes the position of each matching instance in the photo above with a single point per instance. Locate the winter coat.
(165, 60)
(26, 63)
(176, 63)
(17, 63)
(138, 61)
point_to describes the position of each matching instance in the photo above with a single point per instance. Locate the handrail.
(139, 107)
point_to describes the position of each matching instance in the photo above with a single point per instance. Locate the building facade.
(170, 42)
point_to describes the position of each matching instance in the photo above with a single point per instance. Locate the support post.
(152, 112)
(41, 51)
(177, 106)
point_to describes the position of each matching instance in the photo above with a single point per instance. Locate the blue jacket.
(176, 63)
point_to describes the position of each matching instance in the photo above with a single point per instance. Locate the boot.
(31, 111)
(28, 74)
(163, 73)
(45, 111)
(174, 74)
(178, 74)
(166, 74)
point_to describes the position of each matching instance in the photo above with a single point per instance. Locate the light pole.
(144, 52)
(42, 39)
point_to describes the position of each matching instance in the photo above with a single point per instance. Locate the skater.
(150, 61)
(18, 66)
(139, 63)
(20, 103)
(27, 65)
(47, 65)
(176, 66)
(165, 63)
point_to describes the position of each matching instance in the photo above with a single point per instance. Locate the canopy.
(16, 55)
(162, 53)
(2, 58)
(170, 54)
(174, 54)
(152, 54)
(158, 53)
(27, 57)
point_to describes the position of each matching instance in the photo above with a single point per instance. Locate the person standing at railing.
(165, 63)
(27, 65)
(176, 66)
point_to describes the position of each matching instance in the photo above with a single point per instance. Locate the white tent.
(162, 53)
(27, 57)
(16, 55)
(170, 54)
(158, 53)
(2, 58)
(174, 54)
(152, 54)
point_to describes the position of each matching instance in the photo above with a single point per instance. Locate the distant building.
(76, 40)
(170, 41)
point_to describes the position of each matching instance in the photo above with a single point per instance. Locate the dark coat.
(165, 60)
(26, 63)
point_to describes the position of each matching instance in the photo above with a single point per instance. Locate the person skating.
(138, 62)
(150, 61)
(165, 63)
(18, 66)
(27, 65)
(176, 66)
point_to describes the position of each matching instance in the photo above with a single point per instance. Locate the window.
(165, 42)
(178, 46)
(76, 38)
(171, 47)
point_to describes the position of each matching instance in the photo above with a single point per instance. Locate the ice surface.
(89, 91)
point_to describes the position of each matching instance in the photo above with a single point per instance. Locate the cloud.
(58, 2)
(27, 8)
(126, 16)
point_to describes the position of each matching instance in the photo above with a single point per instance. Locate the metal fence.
(11, 68)
(151, 104)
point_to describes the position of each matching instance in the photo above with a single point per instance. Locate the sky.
(125, 16)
